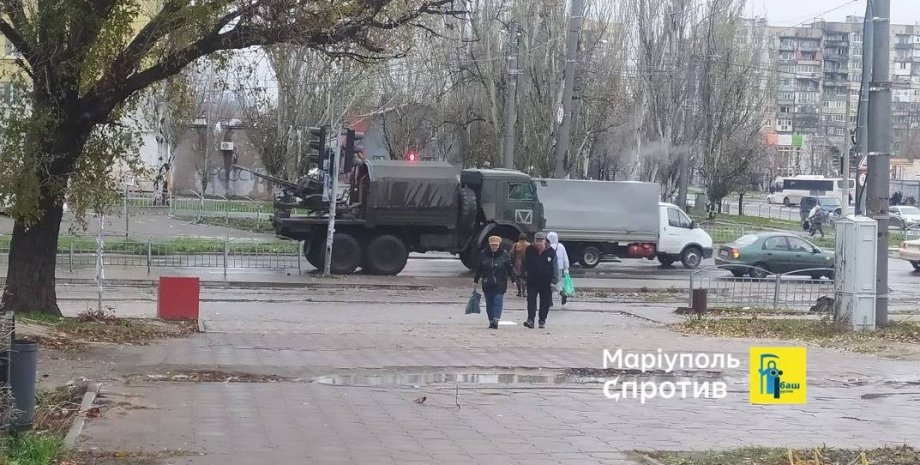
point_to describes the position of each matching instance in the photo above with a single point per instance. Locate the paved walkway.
(853, 400)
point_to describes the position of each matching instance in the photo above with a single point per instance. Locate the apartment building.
(815, 95)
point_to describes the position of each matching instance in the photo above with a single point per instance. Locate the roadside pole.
(845, 170)
(880, 150)
(333, 198)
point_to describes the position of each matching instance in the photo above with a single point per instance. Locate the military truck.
(389, 208)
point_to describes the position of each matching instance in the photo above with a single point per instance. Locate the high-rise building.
(818, 69)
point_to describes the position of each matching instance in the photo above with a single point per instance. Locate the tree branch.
(17, 40)
(113, 89)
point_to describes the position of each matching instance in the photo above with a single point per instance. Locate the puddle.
(507, 377)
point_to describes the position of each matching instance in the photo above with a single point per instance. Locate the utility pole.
(683, 181)
(845, 169)
(333, 198)
(880, 149)
(511, 97)
(862, 113)
(563, 138)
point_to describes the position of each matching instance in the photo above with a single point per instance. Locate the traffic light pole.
(333, 199)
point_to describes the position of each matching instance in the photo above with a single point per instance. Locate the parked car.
(775, 252)
(904, 216)
(831, 205)
(777, 197)
(910, 251)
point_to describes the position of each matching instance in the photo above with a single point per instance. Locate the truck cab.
(680, 238)
(506, 205)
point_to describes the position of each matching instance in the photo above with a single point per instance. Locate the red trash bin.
(178, 298)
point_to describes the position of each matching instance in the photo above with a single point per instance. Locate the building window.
(786, 56)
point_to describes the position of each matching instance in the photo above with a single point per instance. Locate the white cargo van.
(620, 218)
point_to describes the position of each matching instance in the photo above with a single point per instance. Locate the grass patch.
(34, 448)
(263, 225)
(104, 328)
(177, 246)
(823, 333)
(897, 455)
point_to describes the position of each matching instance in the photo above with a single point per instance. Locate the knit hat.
(495, 240)
(540, 235)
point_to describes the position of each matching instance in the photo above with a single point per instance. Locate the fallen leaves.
(73, 334)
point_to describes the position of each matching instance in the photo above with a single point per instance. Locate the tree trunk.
(30, 276)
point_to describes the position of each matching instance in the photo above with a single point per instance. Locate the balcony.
(836, 57)
(836, 43)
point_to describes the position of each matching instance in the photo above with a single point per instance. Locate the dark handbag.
(473, 305)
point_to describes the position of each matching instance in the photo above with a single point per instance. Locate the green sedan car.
(775, 253)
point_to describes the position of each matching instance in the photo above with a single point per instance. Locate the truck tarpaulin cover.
(422, 193)
(600, 210)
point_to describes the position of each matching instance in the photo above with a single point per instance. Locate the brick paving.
(854, 400)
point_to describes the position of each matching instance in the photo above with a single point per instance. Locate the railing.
(80, 252)
(727, 286)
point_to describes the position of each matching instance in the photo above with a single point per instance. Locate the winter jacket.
(540, 269)
(494, 268)
(562, 256)
(517, 256)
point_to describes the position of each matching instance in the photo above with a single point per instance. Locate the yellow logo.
(777, 375)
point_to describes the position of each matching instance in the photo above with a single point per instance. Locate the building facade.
(815, 96)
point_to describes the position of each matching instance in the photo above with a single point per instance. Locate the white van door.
(674, 227)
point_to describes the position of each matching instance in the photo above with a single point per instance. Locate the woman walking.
(494, 267)
(517, 256)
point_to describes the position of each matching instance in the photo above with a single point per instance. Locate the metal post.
(149, 255)
(333, 200)
(226, 254)
(71, 256)
(880, 150)
(126, 207)
(100, 260)
(511, 97)
(845, 170)
(779, 279)
(691, 289)
(299, 257)
(227, 211)
(568, 86)
(862, 114)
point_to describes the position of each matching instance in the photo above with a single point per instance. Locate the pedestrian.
(816, 221)
(494, 267)
(517, 256)
(562, 260)
(540, 273)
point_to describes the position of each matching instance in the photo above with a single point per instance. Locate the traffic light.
(318, 142)
(351, 137)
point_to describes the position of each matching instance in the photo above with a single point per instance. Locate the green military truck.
(389, 208)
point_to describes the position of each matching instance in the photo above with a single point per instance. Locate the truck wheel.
(916, 265)
(385, 255)
(314, 252)
(468, 258)
(346, 254)
(466, 221)
(691, 257)
(590, 256)
(665, 260)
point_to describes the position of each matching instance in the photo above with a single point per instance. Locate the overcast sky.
(791, 12)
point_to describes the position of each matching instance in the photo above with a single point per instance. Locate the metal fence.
(797, 290)
(80, 252)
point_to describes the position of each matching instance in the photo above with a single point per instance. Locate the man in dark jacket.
(540, 273)
(494, 267)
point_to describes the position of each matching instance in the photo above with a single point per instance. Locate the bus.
(796, 187)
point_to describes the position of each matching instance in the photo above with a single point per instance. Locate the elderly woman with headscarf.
(562, 259)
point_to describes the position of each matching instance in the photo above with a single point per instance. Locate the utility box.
(855, 269)
(178, 298)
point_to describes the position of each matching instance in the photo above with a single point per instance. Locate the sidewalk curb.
(77, 427)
